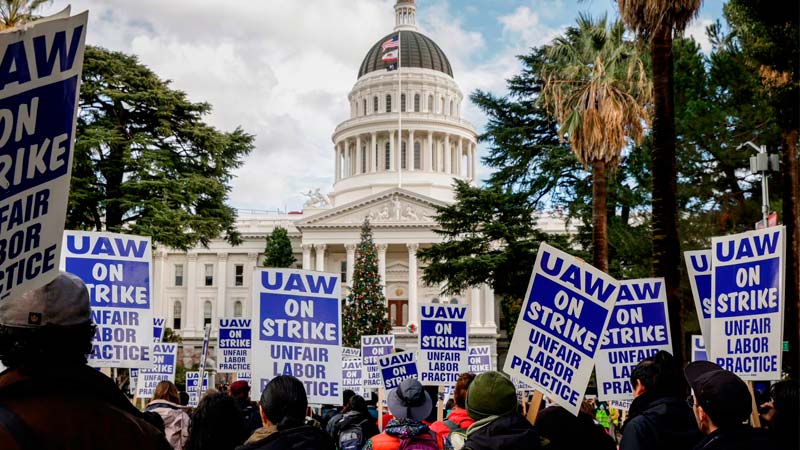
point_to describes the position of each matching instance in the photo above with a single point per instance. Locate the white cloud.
(524, 26)
(697, 30)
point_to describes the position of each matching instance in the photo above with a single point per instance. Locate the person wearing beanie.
(722, 403)
(492, 403)
(49, 397)
(240, 391)
(409, 405)
(283, 407)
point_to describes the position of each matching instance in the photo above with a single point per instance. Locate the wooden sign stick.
(755, 419)
(380, 409)
(524, 403)
(440, 405)
(533, 409)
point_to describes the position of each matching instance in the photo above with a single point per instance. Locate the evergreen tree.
(278, 252)
(365, 308)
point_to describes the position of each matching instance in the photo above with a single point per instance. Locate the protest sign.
(698, 267)
(638, 329)
(567, 307)
(698, 348)
(163, 368)
(193, 386)
(117, 271)
(620, 404)
(234, 344)
(245, 376)
(442, 343)
(480, 358)
(350, 352)
(133, 379)
(38, 106)
(396, 367)
(299, 330)
(158, 329)
(352, 375)
(372, 348)
(747, 286)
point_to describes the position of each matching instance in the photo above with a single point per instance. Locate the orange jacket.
(459, 417)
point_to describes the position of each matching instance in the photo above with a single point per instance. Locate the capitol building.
(394, 160)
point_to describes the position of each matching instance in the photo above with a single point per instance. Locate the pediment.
(392, 208)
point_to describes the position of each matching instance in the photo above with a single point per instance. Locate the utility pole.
(762, 163)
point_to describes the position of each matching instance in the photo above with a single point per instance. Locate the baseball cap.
(239, 388)
(62, 302)
(409, 401)
(722, 394)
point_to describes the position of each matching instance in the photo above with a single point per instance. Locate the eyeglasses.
(690, 401)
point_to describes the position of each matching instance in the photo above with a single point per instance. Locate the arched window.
(375, 104)
(416, 102)
(364, 109)
(441, 110)
(388, 103)
(453, 301)
(177, 312)
(403, 155)
(417, 155)
(207, 313)
(387, 160)
(435, 300)
(430, 103)
(403, 102)
(237, 309)
(451, 109)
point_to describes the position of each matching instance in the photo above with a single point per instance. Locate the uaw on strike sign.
(442, 344)
(567, 308)
(747, 286)
(40, 70)
(299, 331)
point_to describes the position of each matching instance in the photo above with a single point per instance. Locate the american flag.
(394, 42)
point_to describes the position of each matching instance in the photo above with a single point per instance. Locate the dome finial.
(405, 13)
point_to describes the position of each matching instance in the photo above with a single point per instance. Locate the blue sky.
(282, 69)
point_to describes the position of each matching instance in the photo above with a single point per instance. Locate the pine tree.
(365, 308)
(278, 252)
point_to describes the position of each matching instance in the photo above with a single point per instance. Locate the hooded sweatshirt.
(397, 430)
(176, 421)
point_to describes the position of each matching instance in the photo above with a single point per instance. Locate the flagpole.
(400, 109)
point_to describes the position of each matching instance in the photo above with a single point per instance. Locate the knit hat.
(62, 302)
(491, 394)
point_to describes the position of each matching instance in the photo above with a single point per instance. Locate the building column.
(474, 159)
(222, 284)
(469, 161)
(252, 263)
(306, 256)
(398, 157)
(351, 261)
(320, 256)
(475, 307)
(359, 155)
(373, 152)
(392, 151)
(337, 164)
(410, 151)
(190, 304)
(448, 155)
(460, 153)
(429, 153)
(412, 283)
(488, 302)
(158, 301)
(382, 265)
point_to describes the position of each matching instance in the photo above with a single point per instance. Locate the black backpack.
(351, 436)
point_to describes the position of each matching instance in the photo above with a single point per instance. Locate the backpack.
(457, 437)
(352, 436)
(422, 441)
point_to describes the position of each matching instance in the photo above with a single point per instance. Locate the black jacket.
(665, 423)
(561, 430)
(508, 432)
(250, 414)
(303, 437)
(742, 437)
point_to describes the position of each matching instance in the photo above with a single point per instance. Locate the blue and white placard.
(351, 352)
(698, 348)
(443, 336)
(567, 307)
(299, 331)
(698, 267)
(372, 348)
(193, 386)
(163, 368)
(117, 271)
(39, 79)
(396, 367)
(352, 375)
(638, 329)
(158, 329)
(234, 345)
(747, 286)
(480, 358)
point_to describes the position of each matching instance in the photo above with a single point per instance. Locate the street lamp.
(762, 163)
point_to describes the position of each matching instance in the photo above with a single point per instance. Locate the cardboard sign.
(193, 386)
(39, 79)
(638, 329)
(698, 348)
(158, 329)
(698, 267)
(567, 307)
(372, 348)
(299, 330)
(234, 345)
(163, 368)
(352, 375)
(350, 352)
(117, 271)
(480, 358)
(396, 367)
(747, 286)
(443, 336)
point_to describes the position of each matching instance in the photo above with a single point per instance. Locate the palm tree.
(596, 87)
(655, 21)
(17, 12)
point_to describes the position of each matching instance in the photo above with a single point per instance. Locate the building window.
(177, 310)
(377, 148)
(238, 275)
(237, 309)
(441, 110)
(178, 274)
(416, 102)
(388, 103)
(398, 312)
(403, 155)
(343, 271)
(435, 300)
(364, 108)
(453, 301)
(451, 108)
(206, 313)
(209, 272)
(430, 103)
(375, 104)
(403, 102)
(363, 159)
(417, 155)
(387, 160)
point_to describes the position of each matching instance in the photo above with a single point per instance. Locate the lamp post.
(762, 163)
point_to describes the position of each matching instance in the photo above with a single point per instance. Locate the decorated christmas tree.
(365, 310)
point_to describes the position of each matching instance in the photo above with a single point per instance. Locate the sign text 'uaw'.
(698, 267)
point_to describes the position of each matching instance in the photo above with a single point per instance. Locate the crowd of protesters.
(77, 407)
